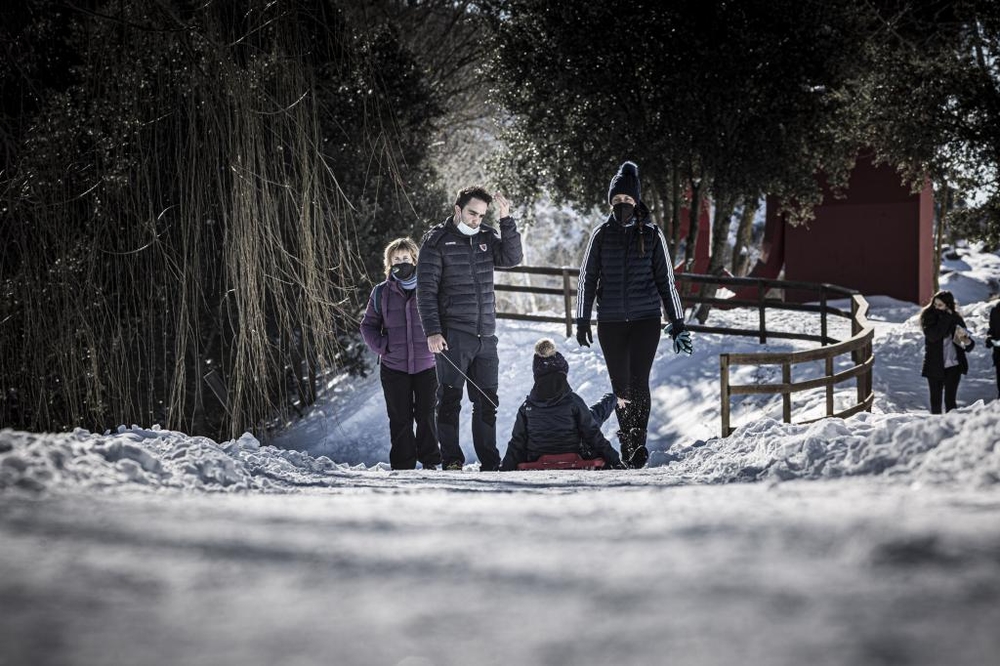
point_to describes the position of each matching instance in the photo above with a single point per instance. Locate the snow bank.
(153, 458)
(958, 448)
(900, 441)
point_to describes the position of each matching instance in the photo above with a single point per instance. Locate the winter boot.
(626, 447)
(640, 454)
(633, 448)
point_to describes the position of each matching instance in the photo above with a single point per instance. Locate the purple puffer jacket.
(398, 337)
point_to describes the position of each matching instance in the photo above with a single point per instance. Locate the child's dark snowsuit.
(554, 419)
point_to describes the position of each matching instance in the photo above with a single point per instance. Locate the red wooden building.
(878, 239)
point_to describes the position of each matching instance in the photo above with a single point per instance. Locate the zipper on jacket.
(475, 282)
(411, 357)
(628, 247)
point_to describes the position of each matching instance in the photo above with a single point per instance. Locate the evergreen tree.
(717, 99)
(931, 105)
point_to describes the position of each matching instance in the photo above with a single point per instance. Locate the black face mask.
(403, 271)
(623, 212)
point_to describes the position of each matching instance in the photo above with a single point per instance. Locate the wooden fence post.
(829, 387)
(859, 355)
(568, 302)
(761, 309)
(865, 378)
(786, 395)
(822, 315)
(724, 392)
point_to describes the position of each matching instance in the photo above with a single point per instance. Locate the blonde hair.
(395, 246)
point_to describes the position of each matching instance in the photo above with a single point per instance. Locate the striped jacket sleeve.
(663, 271)
(586, 288)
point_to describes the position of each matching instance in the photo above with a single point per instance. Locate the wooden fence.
(767, 295)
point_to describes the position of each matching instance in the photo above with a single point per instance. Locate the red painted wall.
(877, 240)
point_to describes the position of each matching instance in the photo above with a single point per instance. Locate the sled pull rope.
(471, 383)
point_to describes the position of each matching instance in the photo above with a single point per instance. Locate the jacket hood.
(549, 390)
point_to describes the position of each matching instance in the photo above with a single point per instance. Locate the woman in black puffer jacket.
(946, 340)
(627, 270)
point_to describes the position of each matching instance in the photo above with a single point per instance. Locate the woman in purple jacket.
(391, 328)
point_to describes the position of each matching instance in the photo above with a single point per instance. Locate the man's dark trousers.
(476, 357)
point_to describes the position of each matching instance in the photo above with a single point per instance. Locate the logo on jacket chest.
(482, 246)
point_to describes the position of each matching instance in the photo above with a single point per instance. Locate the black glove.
(583, 334)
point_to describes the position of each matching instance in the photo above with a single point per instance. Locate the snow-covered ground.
(872, 540)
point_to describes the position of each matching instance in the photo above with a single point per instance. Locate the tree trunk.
(694, 212)
(720, 241)
(939, 236)
(656, 211)
(744, 233)
(720, 234)
(675, 212)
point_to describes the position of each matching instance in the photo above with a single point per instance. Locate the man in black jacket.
(455, 299)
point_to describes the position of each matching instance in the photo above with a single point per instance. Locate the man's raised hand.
(503, 206)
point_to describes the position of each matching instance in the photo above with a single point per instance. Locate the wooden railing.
(567, 291)
(858, 345)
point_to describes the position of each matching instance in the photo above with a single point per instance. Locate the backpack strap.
(377, 297)
(378, 303)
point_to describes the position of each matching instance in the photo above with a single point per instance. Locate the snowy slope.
(866, 541)
(346, 433)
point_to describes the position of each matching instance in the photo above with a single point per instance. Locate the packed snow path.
(474, 570)
(870, 541)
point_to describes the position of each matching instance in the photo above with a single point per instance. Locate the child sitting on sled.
(553, 419)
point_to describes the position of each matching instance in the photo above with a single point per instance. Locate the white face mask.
(466, 229)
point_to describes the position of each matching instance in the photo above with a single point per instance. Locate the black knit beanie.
(547, 360)
(626, 181)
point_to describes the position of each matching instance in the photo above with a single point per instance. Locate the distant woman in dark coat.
(993, 340)
(392, 329)
(946, 340)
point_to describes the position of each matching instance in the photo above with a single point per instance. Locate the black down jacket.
(563, 424)
(993, 335)
(627, 269)
(455, 276)
(938, 326)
